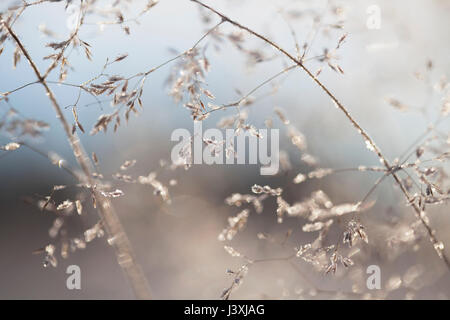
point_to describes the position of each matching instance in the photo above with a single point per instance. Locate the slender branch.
(237, 103)
(46, 155)
(119, 240)
(179, 55)
(7, 93)
(368, 140)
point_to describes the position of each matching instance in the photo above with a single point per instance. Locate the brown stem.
(368, 140)
(118, 238)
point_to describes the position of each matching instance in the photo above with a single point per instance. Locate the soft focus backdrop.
(177, 245)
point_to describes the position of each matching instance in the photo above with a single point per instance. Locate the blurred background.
(177, 244)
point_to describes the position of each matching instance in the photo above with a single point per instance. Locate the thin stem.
(5, 94)
(46, 155)
(183, 53)
(246, 96)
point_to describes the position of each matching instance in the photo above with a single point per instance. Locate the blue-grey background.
(177, 246)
